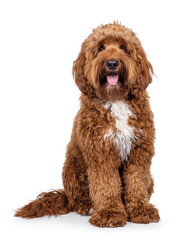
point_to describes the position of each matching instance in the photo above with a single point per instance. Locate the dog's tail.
(47, 203)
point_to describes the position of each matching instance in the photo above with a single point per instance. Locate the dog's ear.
(144, 73)
(78, 71)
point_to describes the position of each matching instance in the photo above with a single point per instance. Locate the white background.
(39, 40)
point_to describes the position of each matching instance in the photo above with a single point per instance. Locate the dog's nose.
(112, 64)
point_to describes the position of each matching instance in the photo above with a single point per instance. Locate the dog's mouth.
(112, 79)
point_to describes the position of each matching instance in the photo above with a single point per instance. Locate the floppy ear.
(144, 73)
(78, 73)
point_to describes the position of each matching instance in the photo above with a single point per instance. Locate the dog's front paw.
(143, 213)
(107, 218)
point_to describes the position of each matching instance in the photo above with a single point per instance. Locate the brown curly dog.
(107, 169)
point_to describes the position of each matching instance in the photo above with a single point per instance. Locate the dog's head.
(112, 64)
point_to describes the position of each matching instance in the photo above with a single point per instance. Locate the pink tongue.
(112, 79)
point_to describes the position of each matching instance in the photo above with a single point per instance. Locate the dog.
(107, 169)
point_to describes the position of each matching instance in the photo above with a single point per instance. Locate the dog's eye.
(123, 47)
(101, 48)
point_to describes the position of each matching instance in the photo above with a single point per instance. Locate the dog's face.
(112, 64)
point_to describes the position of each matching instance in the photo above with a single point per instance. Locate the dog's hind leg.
(74, 196)
(75, 181)
(150, 188)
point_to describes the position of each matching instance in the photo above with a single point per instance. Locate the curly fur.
(108, 159)
(50, 203)
(123, 137)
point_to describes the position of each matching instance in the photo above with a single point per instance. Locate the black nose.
(112, 64)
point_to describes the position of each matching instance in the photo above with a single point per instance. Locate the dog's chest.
(123, 136)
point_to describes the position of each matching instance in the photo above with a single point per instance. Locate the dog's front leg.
(106, 190)
(138, 188)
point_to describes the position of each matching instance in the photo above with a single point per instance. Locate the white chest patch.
(124, 136)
